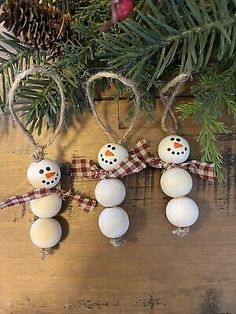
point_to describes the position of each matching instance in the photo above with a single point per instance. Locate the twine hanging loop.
(167, 95)
(126, 82)
(39, 149)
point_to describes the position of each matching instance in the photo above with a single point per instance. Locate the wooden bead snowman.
(176, 182)
(45, 232)
(42, 173)
(113, 221)
(110, 193)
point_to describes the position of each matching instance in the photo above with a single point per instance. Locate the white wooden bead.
(176, 182)
(174, 149)
(182, 211)
(110, 192)
(44, 174)
(113, 222)
(111, 155)
(47, 206)
(45, 232)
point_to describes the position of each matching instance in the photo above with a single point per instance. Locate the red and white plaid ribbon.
(133, 164)
(85, 203)
(139, 157)
(204, 170)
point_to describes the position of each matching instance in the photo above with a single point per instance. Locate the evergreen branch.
(178, 32)
(214, 98)
(14, 57)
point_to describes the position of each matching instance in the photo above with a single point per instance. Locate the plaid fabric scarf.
(85, 203)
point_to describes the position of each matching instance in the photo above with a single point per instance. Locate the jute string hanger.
(167, 95)
(38, 148)
(137, 103)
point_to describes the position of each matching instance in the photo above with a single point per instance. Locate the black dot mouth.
(111, 162)
(177, 153)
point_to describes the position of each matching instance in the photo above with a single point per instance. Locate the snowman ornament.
(110, 193)
(181, 210)
(46, 231)
(43, 174)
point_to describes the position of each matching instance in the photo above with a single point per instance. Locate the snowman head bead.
(111, 155)
(174, 149)
(44, 174)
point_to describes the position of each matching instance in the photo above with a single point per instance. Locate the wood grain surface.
(156, 272)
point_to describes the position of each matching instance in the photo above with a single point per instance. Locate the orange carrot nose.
(50, 174)
(177, 145)
(108, 153)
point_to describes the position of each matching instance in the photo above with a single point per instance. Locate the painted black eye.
(101, 155)
(106, 161)
(178, 139)
(41, 171)
(178, 153)
(115, 160)
(48, 168)
(52, 181)
(48, 183)
(110, 162)
(173, 153)
(185, 148)
(113, 148)
(172, 139)
(169, 149)
(102, 159)
(109, 145)
(43, 181)
(182, 153)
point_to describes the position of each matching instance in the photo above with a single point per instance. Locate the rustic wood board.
(155, 272)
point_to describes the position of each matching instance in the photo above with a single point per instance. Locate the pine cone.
(37, 25)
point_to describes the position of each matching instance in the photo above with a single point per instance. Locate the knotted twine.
(137, 103)
(167, 95)
(118, 241)
(39, 149)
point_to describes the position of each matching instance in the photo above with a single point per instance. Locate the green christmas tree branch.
(214, 98)
(189, 33)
